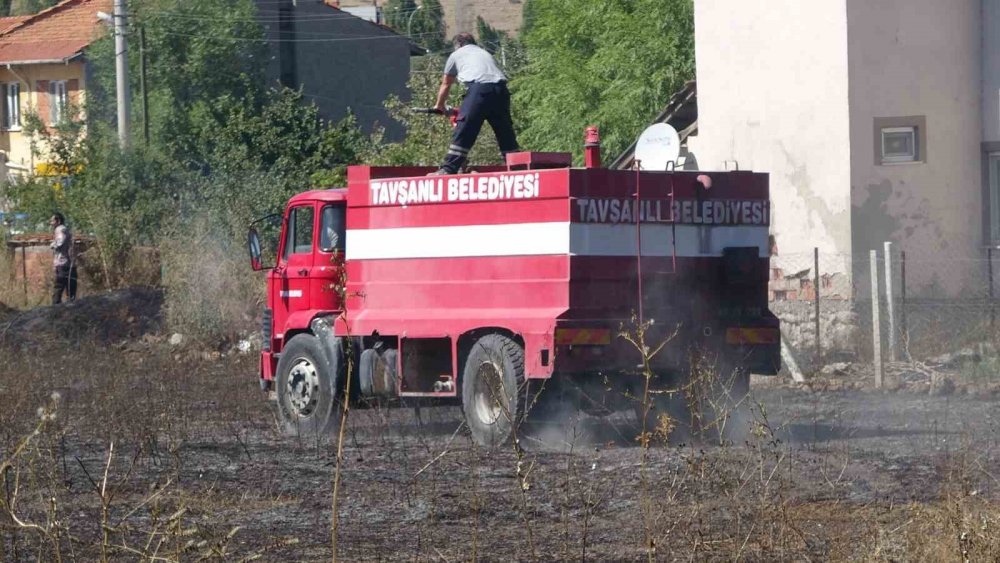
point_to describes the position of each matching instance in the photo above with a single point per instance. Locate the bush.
(212, 297)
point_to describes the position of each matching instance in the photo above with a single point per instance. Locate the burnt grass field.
(135, 450)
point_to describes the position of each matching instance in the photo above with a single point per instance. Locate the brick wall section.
(42, 99)
(501, 14)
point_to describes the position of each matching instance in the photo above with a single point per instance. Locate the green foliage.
(25, 7)
(508, 51)
(424, 23)
(428, 136)
(490, 38)
(613, 64)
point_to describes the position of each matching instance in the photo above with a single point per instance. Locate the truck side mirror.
(263, 253)
(253, 245)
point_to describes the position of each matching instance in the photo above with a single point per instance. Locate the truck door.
(292, 290)
(329, 263)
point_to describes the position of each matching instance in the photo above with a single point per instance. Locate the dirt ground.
(198, 471)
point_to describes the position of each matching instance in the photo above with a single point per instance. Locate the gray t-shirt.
(473, 64)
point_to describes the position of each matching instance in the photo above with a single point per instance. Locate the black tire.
(307, 388)
(493, 389)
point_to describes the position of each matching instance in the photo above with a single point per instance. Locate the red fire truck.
(482, 288)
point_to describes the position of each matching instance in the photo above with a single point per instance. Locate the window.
(900, 140)
(299, 236)
(11, 105)
(899, 144)
(58, 101)
(332, 228)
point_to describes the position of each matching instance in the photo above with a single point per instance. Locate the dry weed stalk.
(636, 336)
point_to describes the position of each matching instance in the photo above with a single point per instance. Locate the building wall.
(772, 95)
(919, 58)
(460, 15)
(346, 64)
(990, 15)
(34, 81)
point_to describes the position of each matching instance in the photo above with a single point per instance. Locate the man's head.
(57, 219)
(463, 39)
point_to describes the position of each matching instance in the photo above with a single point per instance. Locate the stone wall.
(839, 330)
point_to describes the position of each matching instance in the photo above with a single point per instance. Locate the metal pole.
(409, 22)
(903, 327)
(143, 85)
(888, 301)
(819, 345)
(876, 328)
(638, 239)
(121, 76)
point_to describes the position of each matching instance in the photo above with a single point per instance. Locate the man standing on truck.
(62, 259)
(487, 99)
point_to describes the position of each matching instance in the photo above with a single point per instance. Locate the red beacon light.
(592, 147)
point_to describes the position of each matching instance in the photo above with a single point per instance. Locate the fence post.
(904, 329)
(24, 270)
(993, 313)
(819, 344)
(890, 306)
(876, 329)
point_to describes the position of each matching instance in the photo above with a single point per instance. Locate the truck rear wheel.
(493, 389)
(306, 387)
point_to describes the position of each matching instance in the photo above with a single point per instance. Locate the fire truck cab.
(497, 287)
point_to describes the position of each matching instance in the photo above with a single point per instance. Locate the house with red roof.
(43, 71)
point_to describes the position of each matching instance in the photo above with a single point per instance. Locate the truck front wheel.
(306, 387)
(493, 389)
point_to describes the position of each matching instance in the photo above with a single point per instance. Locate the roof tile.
(55, 34)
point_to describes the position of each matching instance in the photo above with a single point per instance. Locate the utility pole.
(121, 76)
(142, 84)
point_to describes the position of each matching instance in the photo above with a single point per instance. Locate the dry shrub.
(13, 290)
(212, 296)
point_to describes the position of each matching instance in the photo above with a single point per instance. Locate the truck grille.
(266, 329)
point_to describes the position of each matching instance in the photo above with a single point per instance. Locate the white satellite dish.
(658, 146)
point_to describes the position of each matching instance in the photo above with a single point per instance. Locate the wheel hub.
(490, 396)
(303, 387)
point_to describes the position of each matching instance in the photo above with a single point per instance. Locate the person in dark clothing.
(487, 99)
(63, 260)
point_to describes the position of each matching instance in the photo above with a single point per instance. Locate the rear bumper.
(754, 348)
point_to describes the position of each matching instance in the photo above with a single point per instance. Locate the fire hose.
(449, 112)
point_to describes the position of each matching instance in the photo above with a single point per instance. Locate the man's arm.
(443, 91)
(59, 238)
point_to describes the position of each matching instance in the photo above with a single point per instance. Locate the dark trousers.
(65, 281)
(483, 102)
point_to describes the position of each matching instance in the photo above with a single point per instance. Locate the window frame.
(916, 123)
(897, 158)
(289, 246)
(8, 123)
(58, 101)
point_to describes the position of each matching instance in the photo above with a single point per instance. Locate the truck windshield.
(332, 228)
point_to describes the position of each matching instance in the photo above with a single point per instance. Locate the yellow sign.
(52, 169)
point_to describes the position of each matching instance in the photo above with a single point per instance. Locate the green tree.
(508, 51)
(27, 7)
(613, 64)
(428, 136)
(423, 22)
